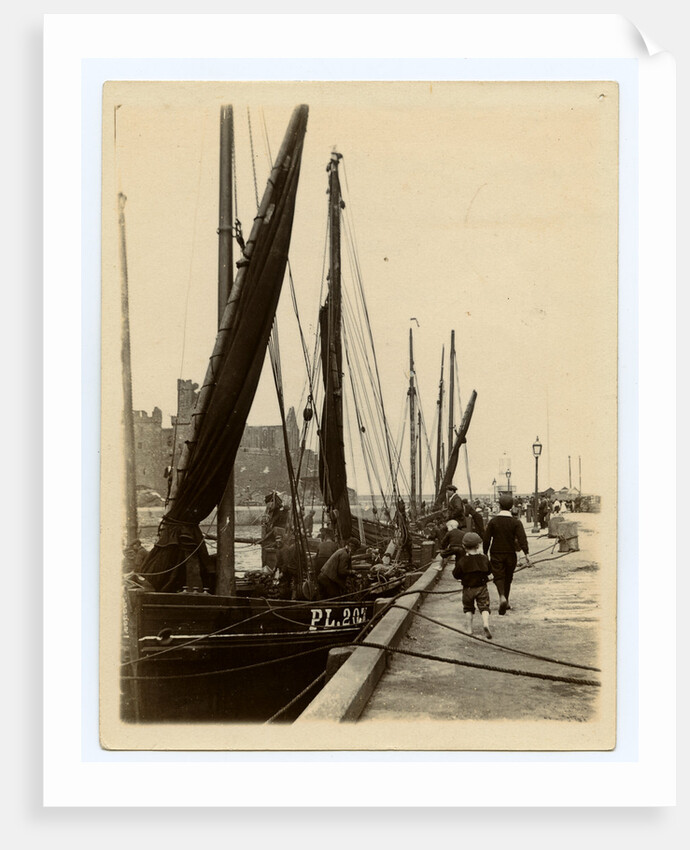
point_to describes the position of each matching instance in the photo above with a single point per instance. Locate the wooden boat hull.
(197, 657)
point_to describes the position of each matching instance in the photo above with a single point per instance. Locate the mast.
(451, 391)
(132, 526)
(419, 440)
(439, 438)
(413, 447)
(460, 439)
(332, 472)
(225, 567)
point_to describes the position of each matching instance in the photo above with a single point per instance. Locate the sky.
(489, 209)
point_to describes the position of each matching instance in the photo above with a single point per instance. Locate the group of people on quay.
(495, 526)
(484, 539)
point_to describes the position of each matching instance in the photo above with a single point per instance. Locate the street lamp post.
(508, 474)
(493, 484)
(536, 451)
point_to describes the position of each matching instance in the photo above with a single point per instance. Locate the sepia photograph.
(359, 415)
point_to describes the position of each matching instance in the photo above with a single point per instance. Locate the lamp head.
(536, 447)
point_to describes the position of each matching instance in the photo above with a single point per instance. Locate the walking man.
(505, 535)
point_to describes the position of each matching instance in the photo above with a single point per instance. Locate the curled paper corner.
(643, 45)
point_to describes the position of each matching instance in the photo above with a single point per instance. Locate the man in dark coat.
(326, 548)
(286, 564)
(456, 508)
(505, 535)
(333, 575)
(477, 519)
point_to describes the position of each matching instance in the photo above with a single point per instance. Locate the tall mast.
(439, 438)
(451, 392)
(225, 568)
(132, 526)
(419, 440)
(332, 471)
(413, 447)
(335, 311)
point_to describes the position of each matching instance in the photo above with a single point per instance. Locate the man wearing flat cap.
(456, 508)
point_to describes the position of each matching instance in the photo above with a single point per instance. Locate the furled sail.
(233, 374)
(332, 472)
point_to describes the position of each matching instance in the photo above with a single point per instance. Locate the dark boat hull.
(196, 657)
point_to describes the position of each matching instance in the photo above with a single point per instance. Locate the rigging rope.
(251, 146)
(186, 308)
(350, 229)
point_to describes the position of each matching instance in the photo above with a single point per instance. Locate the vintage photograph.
(359, 415)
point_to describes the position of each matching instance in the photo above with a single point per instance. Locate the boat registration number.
(327, 618)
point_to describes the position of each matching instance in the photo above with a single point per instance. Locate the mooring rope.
(498, 645)
(426, 656)
(299, 696)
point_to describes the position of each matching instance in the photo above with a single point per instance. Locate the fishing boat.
(202, 643)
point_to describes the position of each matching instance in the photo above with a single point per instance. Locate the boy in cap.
(473, 570)
(451, 545)
(505, 534)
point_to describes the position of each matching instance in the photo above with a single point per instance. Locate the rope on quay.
(295, 699)
(548, 676)
(500, 645)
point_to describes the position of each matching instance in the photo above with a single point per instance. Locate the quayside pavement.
(556, 612)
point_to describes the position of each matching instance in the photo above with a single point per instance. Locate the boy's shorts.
(480, 595)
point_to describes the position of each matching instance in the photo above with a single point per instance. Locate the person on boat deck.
(326, 548)
(473, 570)
(135, 555)
(456, 508)
(451, 545)
(276, 515)
(333, 575)
(309, 524)
(286, 564)
(477, 520)
(505, 534)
